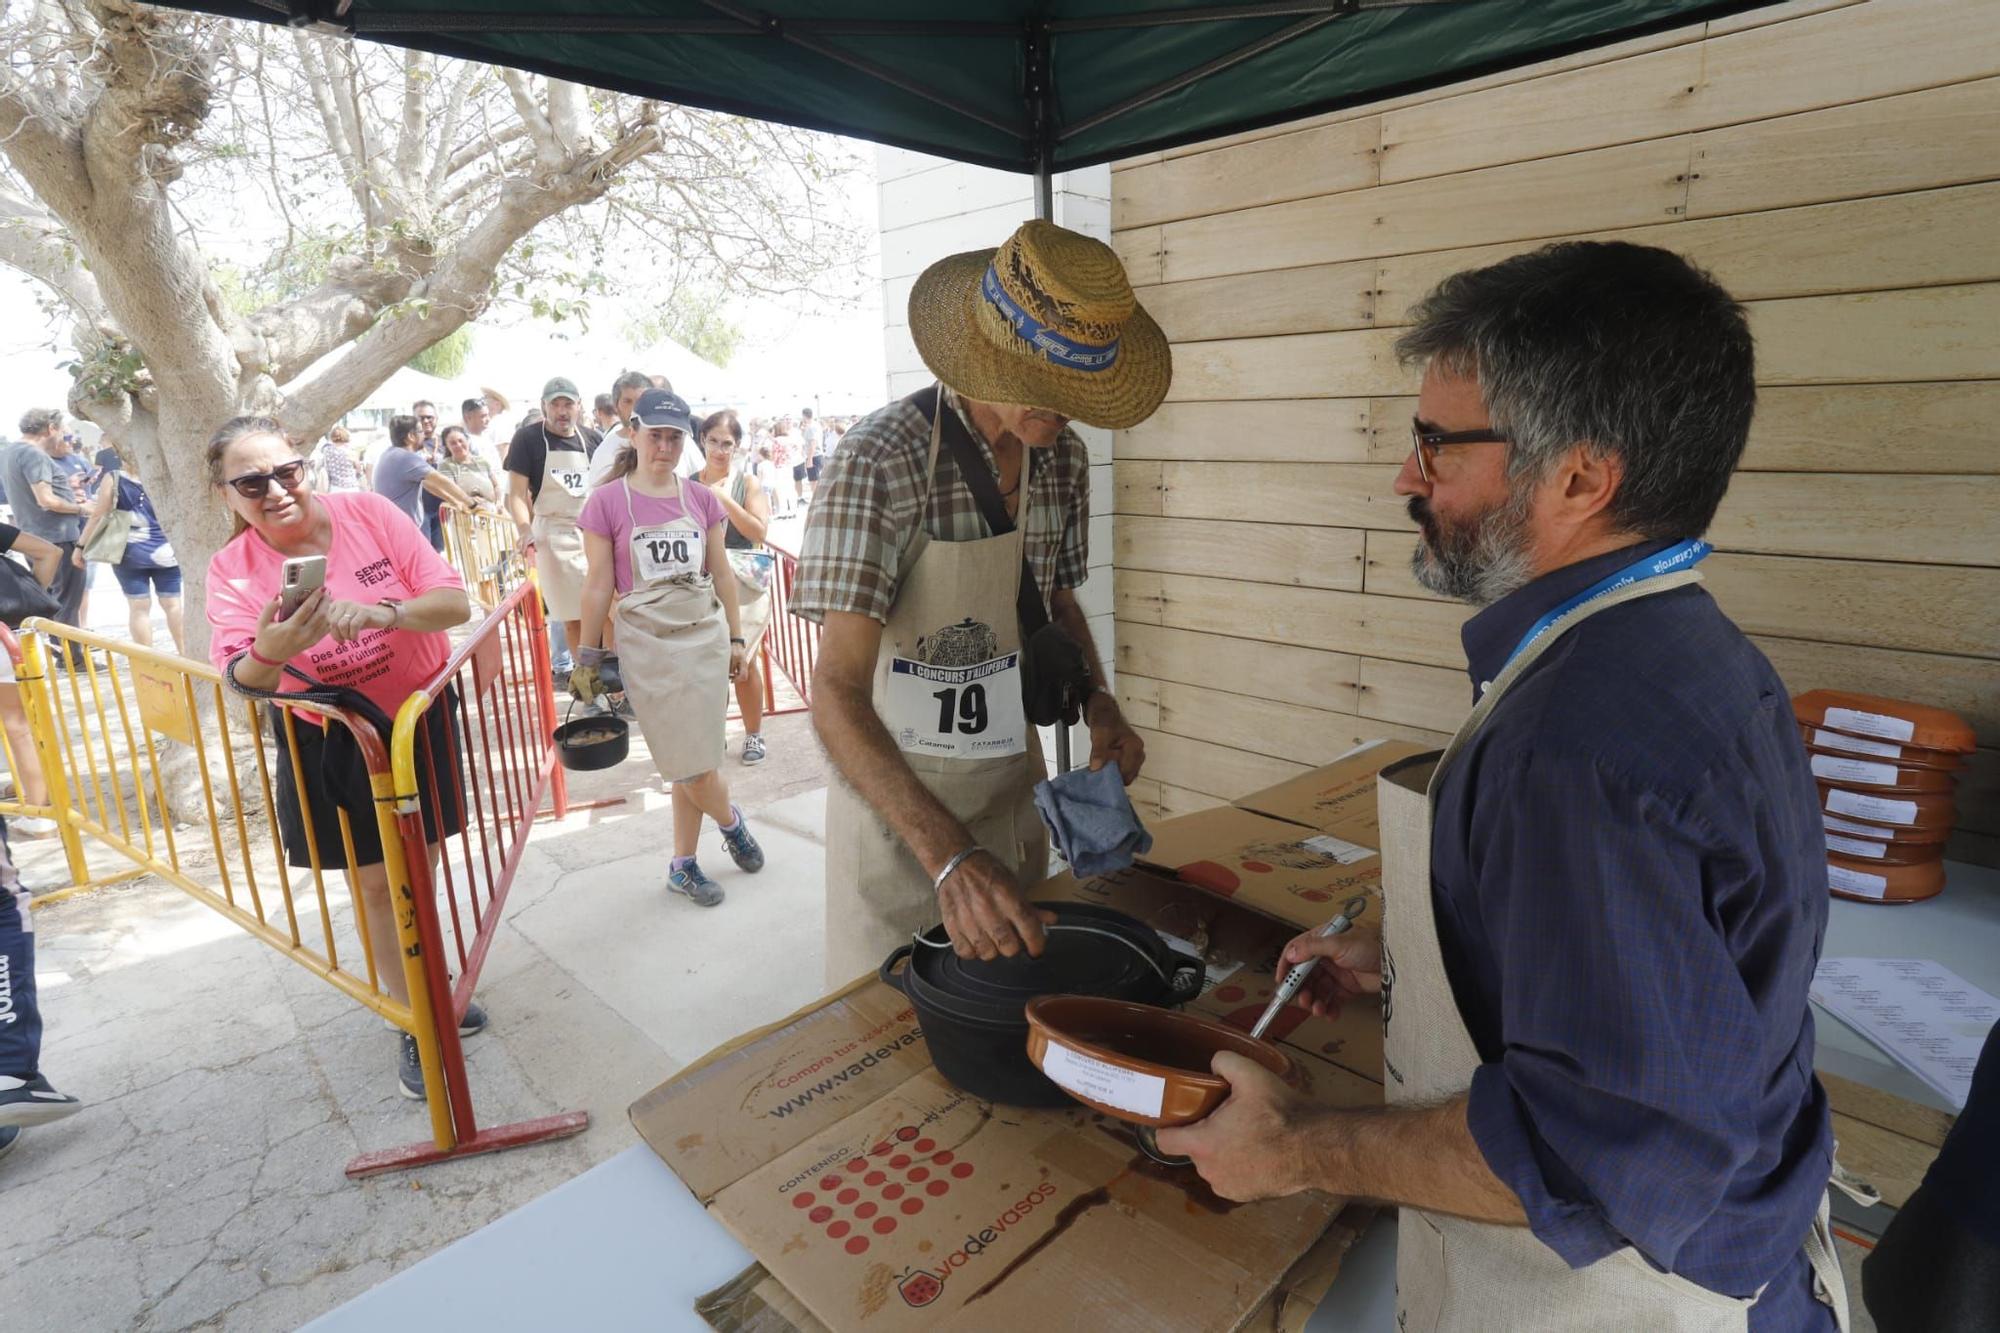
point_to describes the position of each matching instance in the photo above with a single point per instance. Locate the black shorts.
(812, 469)
(798, 472)
(337, 779)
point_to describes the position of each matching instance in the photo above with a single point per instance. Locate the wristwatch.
(395, 605)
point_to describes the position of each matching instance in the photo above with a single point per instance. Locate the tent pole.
(1045, 193)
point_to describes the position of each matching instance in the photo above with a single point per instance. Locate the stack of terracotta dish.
(1887, 770)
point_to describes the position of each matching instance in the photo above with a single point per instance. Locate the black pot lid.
(1095, 956)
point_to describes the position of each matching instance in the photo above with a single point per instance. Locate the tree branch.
(547, 150)
(320, 81)
(413, 136)
(32, 242)
(458, 290)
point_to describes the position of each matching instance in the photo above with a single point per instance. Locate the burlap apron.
(1452, 1274)
(876, 892)
(559, 559)
(673, 647)
(753, 601)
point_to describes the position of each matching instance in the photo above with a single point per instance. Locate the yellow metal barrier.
(120, 739)
(485, 549)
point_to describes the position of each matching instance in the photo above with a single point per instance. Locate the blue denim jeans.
(20, 1019)
(560, 664)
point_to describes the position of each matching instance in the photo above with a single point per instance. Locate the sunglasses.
(1427, 442)
(254, 485)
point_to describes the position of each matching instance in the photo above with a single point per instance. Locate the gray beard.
(1482, 565)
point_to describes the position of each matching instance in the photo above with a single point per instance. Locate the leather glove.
(585, 683)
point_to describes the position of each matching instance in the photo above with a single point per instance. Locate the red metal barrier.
(502, 762)
(790, 642)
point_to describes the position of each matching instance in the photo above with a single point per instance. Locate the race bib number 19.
(958, 712)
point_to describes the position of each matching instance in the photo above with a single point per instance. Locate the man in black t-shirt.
(548, 464)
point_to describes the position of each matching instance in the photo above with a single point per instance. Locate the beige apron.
(1452, 1274)
(753, 601)
(673, 646)
(948, 595)
(559, 560)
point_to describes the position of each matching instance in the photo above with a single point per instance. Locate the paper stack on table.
(1924, 1016)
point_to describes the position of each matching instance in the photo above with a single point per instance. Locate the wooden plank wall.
(1836, 163)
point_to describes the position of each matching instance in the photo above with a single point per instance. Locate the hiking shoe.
(743, 848)
(409, 1069)
(621, 706)
(689, 882)
(474, 1021)
(31, 1101)
(9, 1136)
(753, 750)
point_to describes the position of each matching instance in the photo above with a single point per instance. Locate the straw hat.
(1048, 320)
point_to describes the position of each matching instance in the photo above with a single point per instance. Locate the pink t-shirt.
(376, 552)
(604, 514)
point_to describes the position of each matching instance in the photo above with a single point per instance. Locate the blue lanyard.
(1681, 555)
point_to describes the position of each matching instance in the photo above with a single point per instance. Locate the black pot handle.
(1188, 976)
(887, 972)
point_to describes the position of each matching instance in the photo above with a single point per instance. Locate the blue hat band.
(1091, 357)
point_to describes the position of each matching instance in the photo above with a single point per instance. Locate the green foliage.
(112, 369)
(446, 357)
(695, 320)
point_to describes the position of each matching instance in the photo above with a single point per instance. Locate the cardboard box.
(877, 1194)
(1294, 852)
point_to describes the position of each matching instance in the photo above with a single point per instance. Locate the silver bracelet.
(937, 885)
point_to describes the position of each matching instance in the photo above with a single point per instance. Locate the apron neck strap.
(1526, 657)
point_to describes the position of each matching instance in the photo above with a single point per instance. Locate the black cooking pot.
(972, 1012)
(592, 742)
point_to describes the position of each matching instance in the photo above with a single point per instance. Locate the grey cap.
(561, 387)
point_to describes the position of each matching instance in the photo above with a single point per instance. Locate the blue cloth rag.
(1092, 820)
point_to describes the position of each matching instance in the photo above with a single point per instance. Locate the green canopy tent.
(1023, 85)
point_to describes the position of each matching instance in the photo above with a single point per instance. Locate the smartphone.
(304, 576)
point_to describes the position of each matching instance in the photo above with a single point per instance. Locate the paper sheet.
(1925, 1017)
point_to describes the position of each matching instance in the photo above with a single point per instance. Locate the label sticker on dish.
(1340, 849)
(1871, 724)
(1835, 768)
(1857, 882)
(1092, 1079)
(1877, 808)
(1839, 825)
(1874, 851)
(1833, 740)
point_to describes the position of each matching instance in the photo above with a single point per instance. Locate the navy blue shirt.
(1629, 874)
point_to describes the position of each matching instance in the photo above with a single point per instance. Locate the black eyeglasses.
(253, 485)
(1426, 442)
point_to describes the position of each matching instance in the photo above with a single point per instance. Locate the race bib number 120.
(666, 553)
(958, 712)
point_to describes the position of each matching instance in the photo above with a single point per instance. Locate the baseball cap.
(561, 387)
(663, 407)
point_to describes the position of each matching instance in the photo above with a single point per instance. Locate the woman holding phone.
(654, 539)
(370, 606)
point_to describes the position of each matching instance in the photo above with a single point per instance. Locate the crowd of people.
(1607, 895)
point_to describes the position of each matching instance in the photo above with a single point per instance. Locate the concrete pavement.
(227, 1087)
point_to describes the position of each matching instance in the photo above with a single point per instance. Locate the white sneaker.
(33, 826)
(753, 749)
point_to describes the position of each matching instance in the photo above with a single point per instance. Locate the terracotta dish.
(1822, 741)
(1875, 718)
(1929, 811)
(1860, 771)
(1869, 881)
(1840, 826)
(1142, 1065)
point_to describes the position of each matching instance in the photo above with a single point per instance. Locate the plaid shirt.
(864, 510)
